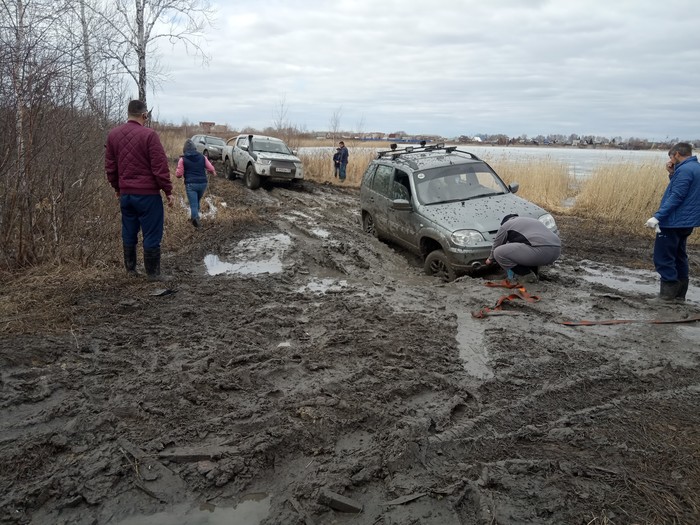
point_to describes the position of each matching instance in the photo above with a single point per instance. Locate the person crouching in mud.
(521, 246)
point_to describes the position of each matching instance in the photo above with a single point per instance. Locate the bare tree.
(137, 24)
(334, 123)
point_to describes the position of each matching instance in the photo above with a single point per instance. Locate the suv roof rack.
(395, 153)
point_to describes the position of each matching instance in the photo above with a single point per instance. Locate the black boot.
(130, 259)
(151, 260)
(668, 290)
(682, 290)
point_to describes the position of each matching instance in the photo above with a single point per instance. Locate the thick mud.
(304, 371)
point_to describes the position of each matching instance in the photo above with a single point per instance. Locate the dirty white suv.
(258, 157)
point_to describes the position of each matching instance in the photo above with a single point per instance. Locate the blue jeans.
(341, 173)
(670, 253)
(145, 213)
(195, 191)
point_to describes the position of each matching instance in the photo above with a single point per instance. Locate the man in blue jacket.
(678, 214)
(343, 159)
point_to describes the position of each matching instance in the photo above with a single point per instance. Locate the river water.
(581, 161)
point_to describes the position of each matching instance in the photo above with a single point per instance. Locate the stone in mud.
(338, 502)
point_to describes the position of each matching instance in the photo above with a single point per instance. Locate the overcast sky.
(628, 68)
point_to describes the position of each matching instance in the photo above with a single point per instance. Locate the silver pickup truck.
(257, 158)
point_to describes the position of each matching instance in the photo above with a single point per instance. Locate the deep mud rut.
(250, 397)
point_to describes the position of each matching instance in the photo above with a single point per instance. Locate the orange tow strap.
(519, 292)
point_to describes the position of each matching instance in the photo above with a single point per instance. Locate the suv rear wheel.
(252, 179)
(368, 224)
(436, 264)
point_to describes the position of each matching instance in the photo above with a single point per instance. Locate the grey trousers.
(514, 254)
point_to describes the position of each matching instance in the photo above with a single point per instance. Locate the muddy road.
(302, 371)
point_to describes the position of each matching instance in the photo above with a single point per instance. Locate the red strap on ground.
(519, 292)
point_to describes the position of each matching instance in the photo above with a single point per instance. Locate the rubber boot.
(682, 290)
(668, 291)
(130, 260)
(151, 260)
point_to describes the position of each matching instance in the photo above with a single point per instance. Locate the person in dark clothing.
(336, 162)
(522, 245)
(678, 214)
(343, 159)
(137, 169)
(194, 167)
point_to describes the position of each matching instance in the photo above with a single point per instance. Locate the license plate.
(283, 170)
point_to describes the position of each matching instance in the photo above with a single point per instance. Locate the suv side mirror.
(514, 187)
(202, 141)
(244, 148)
(401, 205)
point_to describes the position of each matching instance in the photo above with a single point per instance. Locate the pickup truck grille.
(283, 169)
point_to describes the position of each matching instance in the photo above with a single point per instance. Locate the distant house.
(207, 126)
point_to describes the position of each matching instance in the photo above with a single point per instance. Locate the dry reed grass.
(625, 194)
(318, 165)
(545, 182)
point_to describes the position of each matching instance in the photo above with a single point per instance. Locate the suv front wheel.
(436, 264)
(252, 179)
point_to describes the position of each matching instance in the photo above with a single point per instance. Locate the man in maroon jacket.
(137, 168)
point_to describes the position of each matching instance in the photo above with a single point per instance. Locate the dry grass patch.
(318, 165)
(545, 182)
(624, 194)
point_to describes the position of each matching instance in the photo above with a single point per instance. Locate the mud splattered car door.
(401, 219)
(374, 198)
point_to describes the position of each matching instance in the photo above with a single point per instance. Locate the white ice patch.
(323, 286)
(321, 233)
(253, 256)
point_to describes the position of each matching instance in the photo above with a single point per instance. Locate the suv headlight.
(264, 162)
(467, 237)
(548, 221)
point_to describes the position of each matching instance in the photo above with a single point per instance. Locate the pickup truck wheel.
(228, 170)
(368, 224)
(252, 179)
(436, 264)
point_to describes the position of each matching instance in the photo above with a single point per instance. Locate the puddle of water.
(323, 286)
(259, 255)
(216, 266)
(633, 281)
(252, 509)
(472, 351)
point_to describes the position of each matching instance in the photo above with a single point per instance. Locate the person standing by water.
(343, 159)
(678, 214)
(194, 167)
(336, 162)
(137, 168)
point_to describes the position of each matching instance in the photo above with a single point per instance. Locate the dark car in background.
(209, 146)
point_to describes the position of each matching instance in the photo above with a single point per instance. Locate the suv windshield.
(215, 141)
(457, 182)
(268, 146)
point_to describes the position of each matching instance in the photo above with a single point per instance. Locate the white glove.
(652, 223)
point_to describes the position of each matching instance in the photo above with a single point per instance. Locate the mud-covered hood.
(264, 155)
(482, 214)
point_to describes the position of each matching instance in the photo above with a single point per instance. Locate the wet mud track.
(303, 371)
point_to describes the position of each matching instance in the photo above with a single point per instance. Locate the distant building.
(207, 126)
